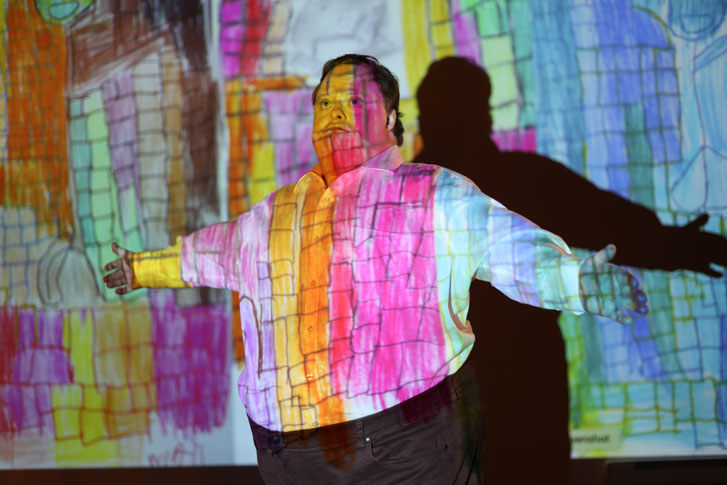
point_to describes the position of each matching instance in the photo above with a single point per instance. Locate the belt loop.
(360, 430)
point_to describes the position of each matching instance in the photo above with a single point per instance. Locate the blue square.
(667, 82)
(616, 149)
(594, 120)
(658, 151)
(673, 146)
(618, 179)
(648, 83)
(613, 119)
(606, 59)
(629, 87)
(651, 112)
(585, 36)
(582, 15)
(665, 59)
(596, 150)
(628, 59)
(598, 175)
(647, 59)
(608, 88)
(642, 329)
(590, 89)
(587, 60)
(669, 110)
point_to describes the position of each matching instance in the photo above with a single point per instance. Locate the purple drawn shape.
(123, 131)
(118, 108)
(50, 331)
(230, 44)
(40, 357)
(191, 355)
(521, 140)
(25, 407)
(466, 37)
(230, 12)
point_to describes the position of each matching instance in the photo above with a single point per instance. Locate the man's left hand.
(610, 290)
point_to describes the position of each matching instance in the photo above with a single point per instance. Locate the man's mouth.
(336, 129)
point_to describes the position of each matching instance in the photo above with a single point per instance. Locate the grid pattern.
(665, 375)
(84, 386)
(91, 376)
(33, 162)
(328, 276)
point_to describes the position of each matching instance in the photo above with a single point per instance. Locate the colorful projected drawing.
(141, 121)
(107, 151)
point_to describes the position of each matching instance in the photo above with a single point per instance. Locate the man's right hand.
(122, 274)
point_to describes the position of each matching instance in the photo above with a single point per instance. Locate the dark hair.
(386, 81)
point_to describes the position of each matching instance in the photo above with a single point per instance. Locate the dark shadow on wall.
(520, 352)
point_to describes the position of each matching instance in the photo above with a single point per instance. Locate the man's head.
(454, 104)
(355, 112)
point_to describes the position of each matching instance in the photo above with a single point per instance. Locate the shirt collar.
(388, 160)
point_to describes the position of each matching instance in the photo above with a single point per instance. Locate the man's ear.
(391, 120)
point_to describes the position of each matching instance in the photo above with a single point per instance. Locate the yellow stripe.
(159, 269)
(416, 40)
(284, 252)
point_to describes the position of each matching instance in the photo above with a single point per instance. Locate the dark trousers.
(437, 437)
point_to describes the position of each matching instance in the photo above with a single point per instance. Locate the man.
(353, 291)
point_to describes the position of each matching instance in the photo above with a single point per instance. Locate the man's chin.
(339, 140)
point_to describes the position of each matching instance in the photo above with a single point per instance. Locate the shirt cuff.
(158, 269)
(570, 271)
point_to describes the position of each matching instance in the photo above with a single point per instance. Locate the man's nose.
(337, 113)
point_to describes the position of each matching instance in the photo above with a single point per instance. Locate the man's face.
(350, 121)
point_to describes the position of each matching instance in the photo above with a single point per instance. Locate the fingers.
(119, 251)
(711, 272)
(604, 255)
(115, 279)
(697, 223)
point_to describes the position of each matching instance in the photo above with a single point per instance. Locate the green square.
(104, 228)
(504, 85)
(100, 154)
(100, 205)
(93, 102)
(505, 117)
(84, 204)
(488, 19)
(467, 4)
(81, 155)
(87, 231)
(97, 128)
(100, 180)
(497, 51)
(76, 107)
(78, 129)
(83, 181)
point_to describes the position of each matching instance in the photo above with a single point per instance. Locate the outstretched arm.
(149, 269)
(610, 290)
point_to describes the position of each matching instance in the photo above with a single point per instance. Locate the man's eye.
(325, 104)
(356, 101)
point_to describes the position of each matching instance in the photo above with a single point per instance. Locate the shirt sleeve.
(158, 269)
(525, 262)
(211, 256)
